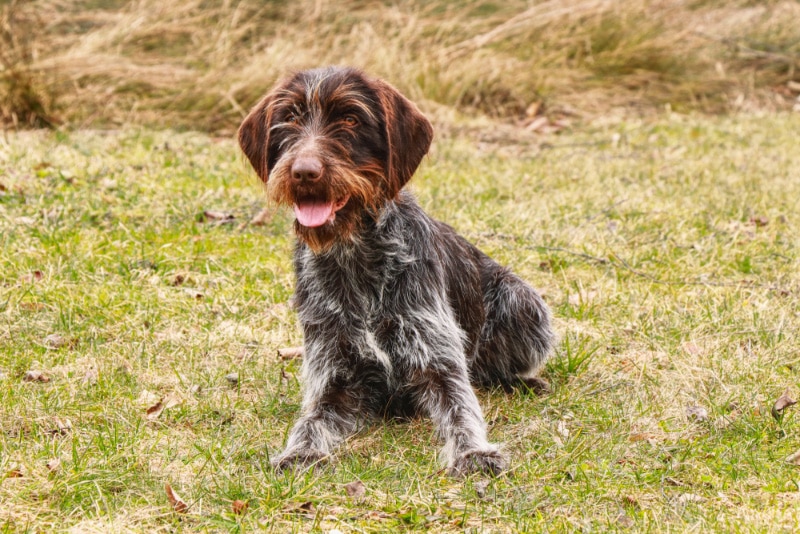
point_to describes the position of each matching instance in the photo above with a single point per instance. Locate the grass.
(668, 250)
(199, 64)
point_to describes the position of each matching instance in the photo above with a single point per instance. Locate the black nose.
(306, 169)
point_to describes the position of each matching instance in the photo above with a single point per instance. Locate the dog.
(400, 315)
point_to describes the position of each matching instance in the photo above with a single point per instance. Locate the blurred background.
(201, 64)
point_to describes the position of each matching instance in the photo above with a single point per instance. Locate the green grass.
(668, 251)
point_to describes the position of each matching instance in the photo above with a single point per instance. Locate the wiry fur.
(400, 314)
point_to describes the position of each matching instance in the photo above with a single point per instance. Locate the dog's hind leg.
(517, 336)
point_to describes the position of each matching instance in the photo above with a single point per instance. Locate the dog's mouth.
(313, 212)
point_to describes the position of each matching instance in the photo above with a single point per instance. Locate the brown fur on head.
(336, 145)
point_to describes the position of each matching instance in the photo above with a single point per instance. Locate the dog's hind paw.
(537, 385)
(298, 459)
(490, 462)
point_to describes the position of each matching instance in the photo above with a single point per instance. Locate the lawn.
(141, 313)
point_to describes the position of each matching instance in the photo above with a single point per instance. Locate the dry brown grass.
(201, 64)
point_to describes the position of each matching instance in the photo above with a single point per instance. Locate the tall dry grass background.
(201, 63)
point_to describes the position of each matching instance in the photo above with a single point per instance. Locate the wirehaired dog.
(400, 315)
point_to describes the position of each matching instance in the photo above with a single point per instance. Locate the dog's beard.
(330, 209)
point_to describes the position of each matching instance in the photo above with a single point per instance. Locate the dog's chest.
(355, 285)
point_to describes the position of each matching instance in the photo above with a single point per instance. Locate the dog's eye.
(291, 119)
(350, 120)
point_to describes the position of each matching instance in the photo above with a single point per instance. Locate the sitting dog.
(400, 315)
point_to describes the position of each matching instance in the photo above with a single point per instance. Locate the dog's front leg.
(332, 410)
(327, 420)
(430, 343)
(443, 390)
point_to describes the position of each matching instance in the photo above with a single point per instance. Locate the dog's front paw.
(298, 459)
(490, 462)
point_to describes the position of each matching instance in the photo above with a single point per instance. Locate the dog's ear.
(408, 133)
(254, 136)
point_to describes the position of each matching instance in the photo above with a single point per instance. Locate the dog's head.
(334, 144)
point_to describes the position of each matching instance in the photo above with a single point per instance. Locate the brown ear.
(409, 135)
(254, 136)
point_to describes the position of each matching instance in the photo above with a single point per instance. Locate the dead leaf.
(232, 378)
(57, 341)
(171, 400)
(631, 500)
(356, 490)
(759, 220)
(178, 504)
(217, 216)
(36, 376)
(378, 514)
(558, 125)
(239, 507)
(674, 482)
(537, 124)
(561, 428)
(306, 509)
(107, 183)
(90, 377)
(14, 473)
(685, 498)
(53, 465)
(262, 217)
(641, 436)
(533, 109)
(147, 398)
(145, 265)
(783, 402)
(794, 458)
(33, 276)
(61, 428)
(155, 410)
(624, 520)
(697, 413)
(192, 292)
(290, 353)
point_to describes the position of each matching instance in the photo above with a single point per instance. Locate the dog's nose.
(306, 169)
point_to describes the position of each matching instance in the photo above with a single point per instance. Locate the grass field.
(138, 336)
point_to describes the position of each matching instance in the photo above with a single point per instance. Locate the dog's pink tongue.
(313, 213)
